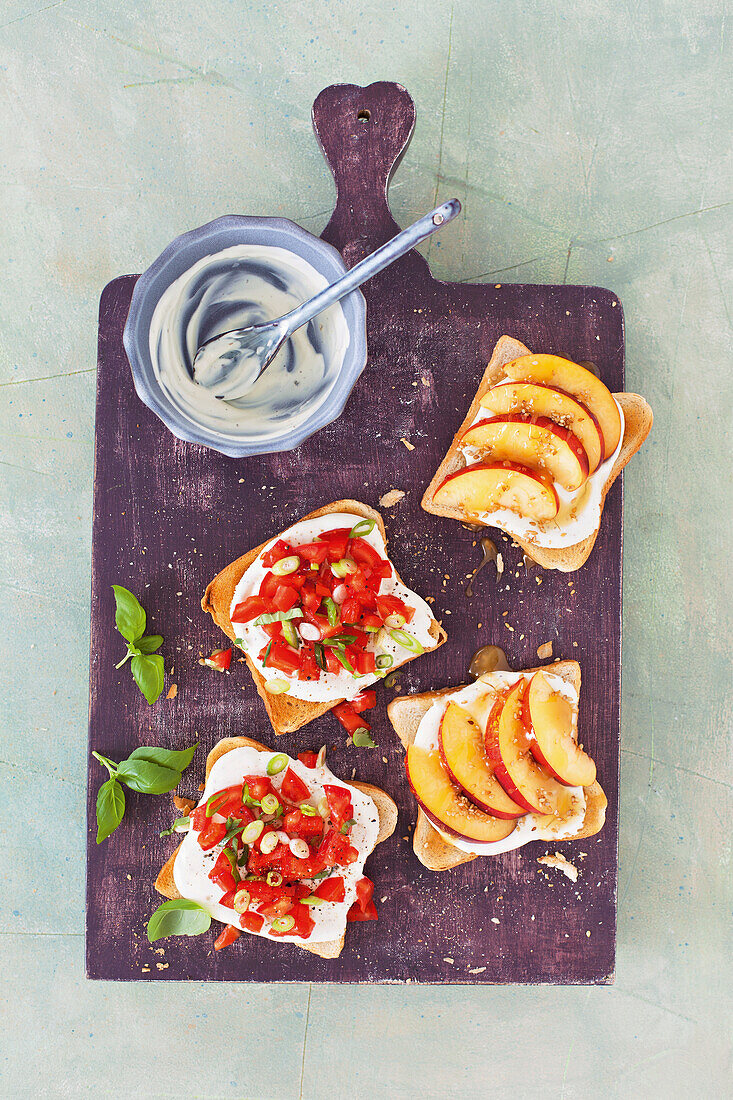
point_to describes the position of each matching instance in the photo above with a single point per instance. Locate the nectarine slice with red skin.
(548, 716)
(443, 803)
(563, 374)
(508, 747)
(489, 486)
(463, 754)
(537, 442)
(533, 400)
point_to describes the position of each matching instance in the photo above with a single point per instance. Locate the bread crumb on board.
(410, 446)
(394, 496)
(544, 651)
(172, 691)
(560, 863)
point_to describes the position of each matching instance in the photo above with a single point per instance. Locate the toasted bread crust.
(386, 808)
(286, 715)
(434, 852)
(638, 422)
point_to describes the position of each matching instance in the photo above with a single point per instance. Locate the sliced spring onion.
(241, 901)
(232, 857)
(315, 567)
(270, 803)
(278, 617)
(320, 656)
(252, 831)
(180, 825)
(286, 565)
(321, 758)
(277, 686)
(343, 660)
(308, 810)
(283, 924)
(268, 843)
(395, 620)
(332, 611)
(311, 900)
(344, 567)
(352, 820)
(283, 837)
(215, 801)
(384, 660)
(267, 653)
(309, 632)
(370, 629)
(340, 640)
(290, 634)
(404, 639)
(277, 763)
(299, 848)
(363, 527)
(273, 878)
(323, 808)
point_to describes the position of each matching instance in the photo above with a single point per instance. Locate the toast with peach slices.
(386, 808)
(553, 423)
(477, 771)
(289, 714)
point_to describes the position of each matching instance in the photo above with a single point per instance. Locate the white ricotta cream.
(531, 826)
(192, 865)
(331, 685)
(240, 286)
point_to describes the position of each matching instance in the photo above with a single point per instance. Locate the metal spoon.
(228, 365)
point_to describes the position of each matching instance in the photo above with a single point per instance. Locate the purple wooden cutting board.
(168, 515)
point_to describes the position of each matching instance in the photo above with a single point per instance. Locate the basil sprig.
(179, 917)
(177, 825)
(147, 665)
(147, 770)
(362, 738)
(278, 617)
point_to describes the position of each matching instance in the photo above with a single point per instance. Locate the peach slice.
(508, 748)
(464, 757)
(563, 374)
(549, 718)
(531, 400)
(444, 804)
(488, 486)
(537, 442)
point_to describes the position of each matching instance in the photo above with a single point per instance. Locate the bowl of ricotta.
(233, 272)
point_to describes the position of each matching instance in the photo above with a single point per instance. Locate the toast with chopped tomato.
(386, 808)
(637, 425)
(289, 714)
(432, 849)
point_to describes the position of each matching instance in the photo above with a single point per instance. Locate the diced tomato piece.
(250, 609)
(199, 818)
(364, 892)
(277, 908)
(302, 825)
(365, 700)
(364, 553)
(322, 589)
(310, 599)
(350, 609)
(332, 662)
(331, 889)
(224, 879)
(304, 923)
(228, 898)
(301, 890)
(221, 867)
(252, 922)
(331, 850)
(350, 855)
(308, 758)
(348, 717)
(292, 868)
(261, 892)
(293, 788)
(339, 803)
(285, 597)
(392, 605)
(229, 935)
(258, 786)
(309, 668)
(357, 913)
(337, 542)
(315, 552)
(220, 659)
(280, 550)
(212, 834)
(366, 663)
(283, 658)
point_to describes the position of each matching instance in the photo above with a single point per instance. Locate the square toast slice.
(386, 808)
(638, 422)
(434, 852)
(286, 714)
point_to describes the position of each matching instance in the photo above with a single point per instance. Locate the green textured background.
(587, 143)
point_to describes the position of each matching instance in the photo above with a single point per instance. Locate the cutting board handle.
(363, 133)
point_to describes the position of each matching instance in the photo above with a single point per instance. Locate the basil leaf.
(278, 617)
(174, 826)
(179, 917)
(363, 739)
(130, 618)
(167, 758)
(149, 643)
(148, 675)
(147, 777)
(110, 808)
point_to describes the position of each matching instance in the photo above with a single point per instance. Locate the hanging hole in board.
(364, 116)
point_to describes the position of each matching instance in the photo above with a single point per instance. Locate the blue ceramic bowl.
(178, 257)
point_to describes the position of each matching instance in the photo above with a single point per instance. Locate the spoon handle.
(377, 261)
